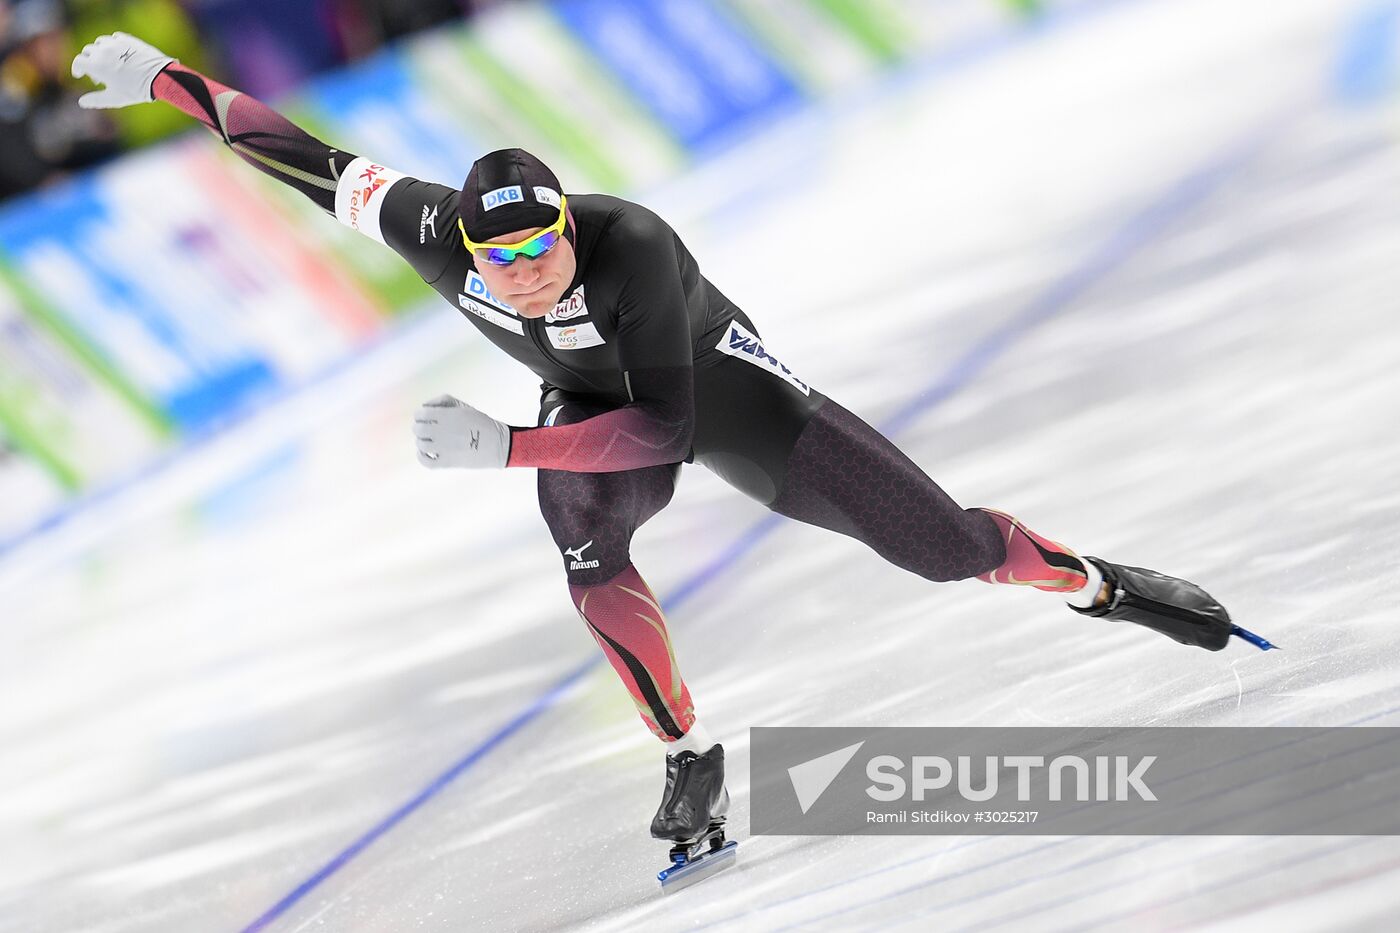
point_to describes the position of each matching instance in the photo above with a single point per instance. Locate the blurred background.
(1124, 268)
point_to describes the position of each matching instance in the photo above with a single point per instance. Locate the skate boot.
(692, 815)
(1180, 610)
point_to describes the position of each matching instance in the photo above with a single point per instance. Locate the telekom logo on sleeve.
(358, 200)
(372, 179)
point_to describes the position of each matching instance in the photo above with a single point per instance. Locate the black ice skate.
(1180, 610)
(691, 815)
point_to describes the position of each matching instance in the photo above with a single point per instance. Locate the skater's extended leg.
(767, 433)
(807, 457)
(844, 475)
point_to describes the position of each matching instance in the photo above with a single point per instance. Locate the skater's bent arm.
(655, 428)
(655, 353)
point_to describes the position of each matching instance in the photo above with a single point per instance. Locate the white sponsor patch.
(360, 194)
(549, 419)
(575, 336)
(494, 199)
(738, 341)
(486, 312)
(476, 288)
(571, 307)
(547, 196)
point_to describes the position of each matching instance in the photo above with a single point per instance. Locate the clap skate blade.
(697, 860)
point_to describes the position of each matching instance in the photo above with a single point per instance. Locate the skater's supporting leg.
(592, 517)
(625, 618)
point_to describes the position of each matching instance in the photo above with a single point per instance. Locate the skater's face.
(531, 286)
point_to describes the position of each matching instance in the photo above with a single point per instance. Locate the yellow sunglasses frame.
(556, 227)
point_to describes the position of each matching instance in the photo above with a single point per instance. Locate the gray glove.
(451, 433)
(125, 64)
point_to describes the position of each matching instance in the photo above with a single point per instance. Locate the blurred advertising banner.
(825, 46)
(75, 418)
(382, 108)
(523, 56)
(689, 61)
(165, 268)
(830, 46)
(520, 78)
(99, 266)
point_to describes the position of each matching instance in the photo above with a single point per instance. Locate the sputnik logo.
(811, 778)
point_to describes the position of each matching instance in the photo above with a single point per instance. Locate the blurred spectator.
(43, 132)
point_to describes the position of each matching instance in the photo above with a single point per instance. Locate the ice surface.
(215, 685)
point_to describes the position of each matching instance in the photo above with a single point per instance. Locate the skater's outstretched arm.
(354, 189)
(136, 72)
(259, 135)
